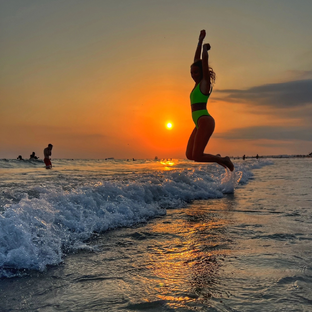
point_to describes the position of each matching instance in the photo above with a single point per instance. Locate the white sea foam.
(49, 221)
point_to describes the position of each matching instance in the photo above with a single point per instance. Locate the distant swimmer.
(33, 156)
(204, 77)
(244, 157)
(47, 153)
(19, 157)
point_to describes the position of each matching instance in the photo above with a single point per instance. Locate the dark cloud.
(268, 133)
(277, 95)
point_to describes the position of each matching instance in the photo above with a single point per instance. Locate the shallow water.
(49, 213)
(247, 251)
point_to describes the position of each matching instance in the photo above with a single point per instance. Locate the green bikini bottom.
(197, 114)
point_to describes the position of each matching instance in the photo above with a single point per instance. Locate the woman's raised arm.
(205, 84)
(201, 38)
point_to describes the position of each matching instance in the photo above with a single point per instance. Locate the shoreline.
(161, 159)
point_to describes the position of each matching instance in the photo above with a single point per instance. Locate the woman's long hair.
(212, 74)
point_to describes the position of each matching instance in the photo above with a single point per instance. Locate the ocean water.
(145, 235)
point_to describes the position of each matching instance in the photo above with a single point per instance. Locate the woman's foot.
(227, 162)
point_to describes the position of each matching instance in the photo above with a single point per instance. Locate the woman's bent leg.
(205, 129)
(190, 145)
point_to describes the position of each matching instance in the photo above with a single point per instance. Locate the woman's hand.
(206, 47)
(202, 35)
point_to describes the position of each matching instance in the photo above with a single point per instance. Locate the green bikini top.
(197, 96)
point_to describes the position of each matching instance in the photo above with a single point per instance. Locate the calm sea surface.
(147, 235)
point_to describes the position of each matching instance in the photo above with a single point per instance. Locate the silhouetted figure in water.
(47, 152)
(19, 157)
(257, 156)
(33, 156)
(204, 77)
(244, 157)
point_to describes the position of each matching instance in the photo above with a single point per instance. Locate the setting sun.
(169, 125)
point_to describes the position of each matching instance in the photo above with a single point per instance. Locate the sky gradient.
(101, 78)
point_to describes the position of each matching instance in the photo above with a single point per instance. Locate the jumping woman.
(204, 77)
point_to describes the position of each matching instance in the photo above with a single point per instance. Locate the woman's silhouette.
(204, 77)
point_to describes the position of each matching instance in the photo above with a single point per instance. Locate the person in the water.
(204, 77)
(33, 156)
(47, 152)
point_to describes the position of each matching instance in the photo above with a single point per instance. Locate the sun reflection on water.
(186, 264)
(168, 163)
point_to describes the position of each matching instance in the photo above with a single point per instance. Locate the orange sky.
(99, 79)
